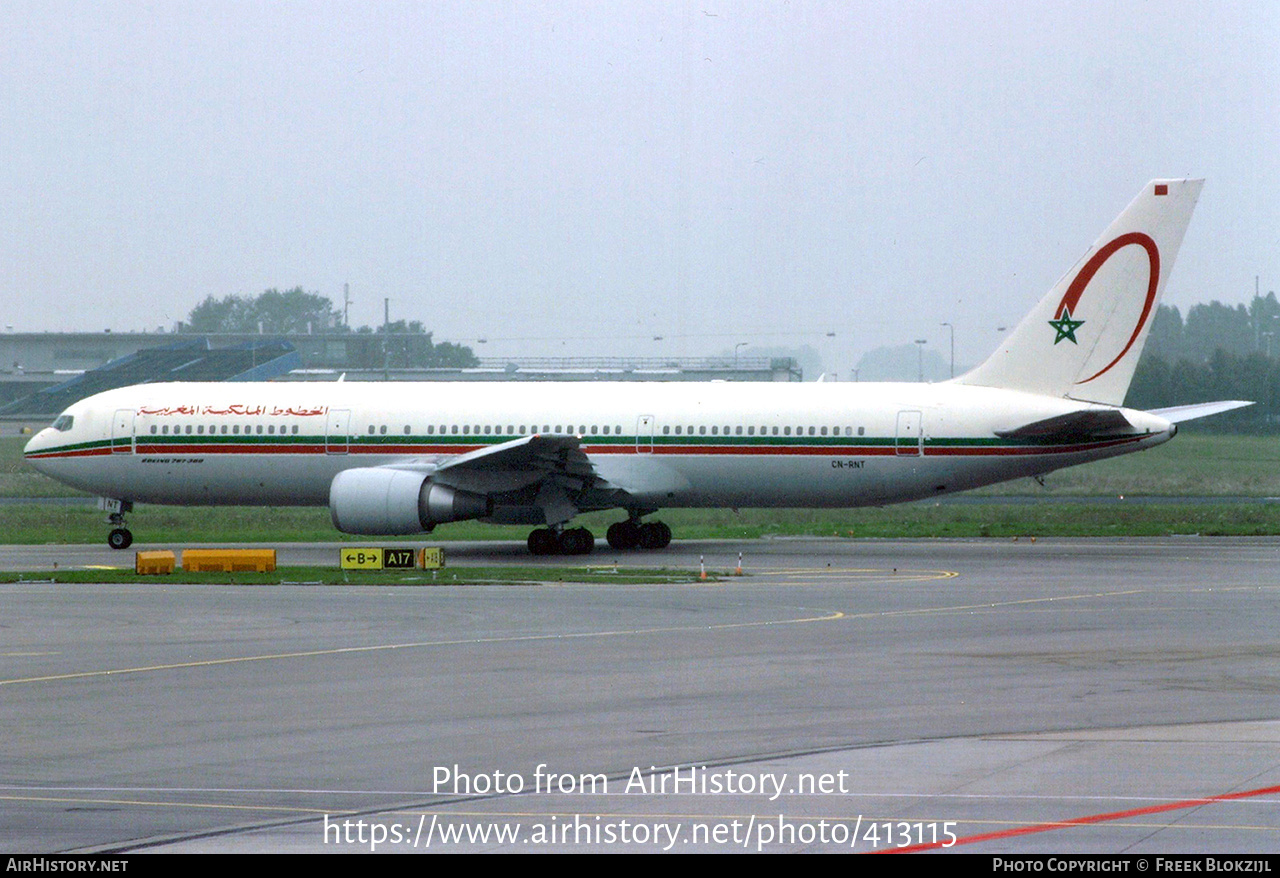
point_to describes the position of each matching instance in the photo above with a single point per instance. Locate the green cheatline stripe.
(79, 446)
(845, 445)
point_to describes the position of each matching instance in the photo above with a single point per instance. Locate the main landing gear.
(632, 534)
(568, 541)
(622, 536)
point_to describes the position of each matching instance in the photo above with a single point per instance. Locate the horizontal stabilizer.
(1180, 413)
(1082, 426)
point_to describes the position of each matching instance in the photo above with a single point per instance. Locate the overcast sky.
(577, 178)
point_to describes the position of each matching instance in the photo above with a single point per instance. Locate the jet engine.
(374, 500)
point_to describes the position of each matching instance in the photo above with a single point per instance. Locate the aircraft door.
(122, 432)
(644, 434)
(910, 435)
(337, 433)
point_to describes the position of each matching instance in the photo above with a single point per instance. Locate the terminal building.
(43, 373)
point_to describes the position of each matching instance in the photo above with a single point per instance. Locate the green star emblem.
(1066, 327)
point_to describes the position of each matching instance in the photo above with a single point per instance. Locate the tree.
(405, 345)
(399, 345)
(292, 311)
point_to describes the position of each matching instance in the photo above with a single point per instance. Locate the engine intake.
(378, 501)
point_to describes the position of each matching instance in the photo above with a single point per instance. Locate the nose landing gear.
(120, 537)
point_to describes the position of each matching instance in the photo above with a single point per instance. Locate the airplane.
(404, 457)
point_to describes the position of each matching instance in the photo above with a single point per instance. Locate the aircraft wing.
(538, 453)
(508, 464)
(549, 471)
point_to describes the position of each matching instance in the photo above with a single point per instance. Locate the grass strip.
(449, 576)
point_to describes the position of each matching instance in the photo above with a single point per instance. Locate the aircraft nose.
(38, 443)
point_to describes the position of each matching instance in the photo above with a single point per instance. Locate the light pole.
(953, 348)
(920, 343)
(735, 353)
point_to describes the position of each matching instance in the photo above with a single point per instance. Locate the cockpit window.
(63, 423)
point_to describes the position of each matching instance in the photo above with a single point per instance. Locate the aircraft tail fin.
(1083, 339)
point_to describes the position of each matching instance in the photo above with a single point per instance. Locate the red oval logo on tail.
(1071, 299)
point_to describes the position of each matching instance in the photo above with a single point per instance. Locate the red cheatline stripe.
(1085, 821)
(82, 452)
(155, 448)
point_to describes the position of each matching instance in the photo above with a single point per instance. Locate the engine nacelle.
(378, 501)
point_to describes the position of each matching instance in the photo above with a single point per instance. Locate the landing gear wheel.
(654, 535)
(623, 535)
(543, 542)
(665, 533)
(120, 538)
(577, 541)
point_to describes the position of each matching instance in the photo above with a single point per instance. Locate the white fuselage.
(663, 444)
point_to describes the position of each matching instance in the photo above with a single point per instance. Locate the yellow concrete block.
(229, 560)
(153, 563)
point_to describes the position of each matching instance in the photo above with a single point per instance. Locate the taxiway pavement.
(1061, 695)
